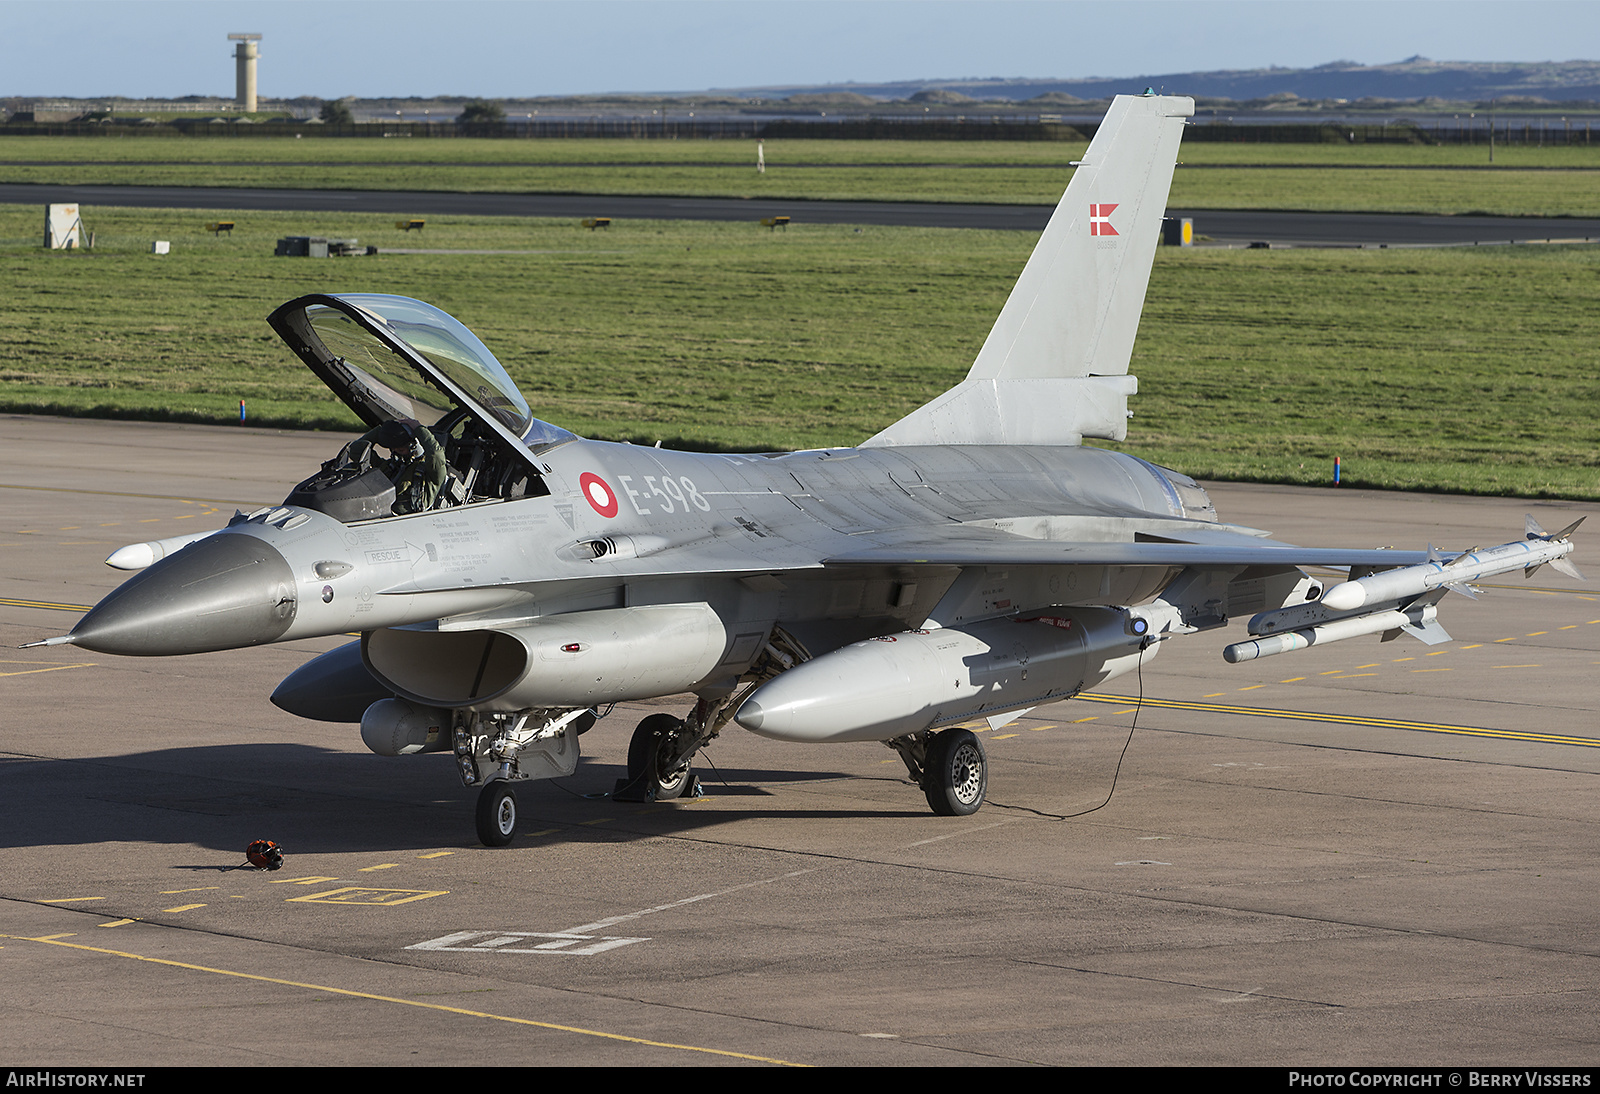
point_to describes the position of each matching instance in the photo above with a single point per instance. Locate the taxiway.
(1368, 853)
(1221, 226)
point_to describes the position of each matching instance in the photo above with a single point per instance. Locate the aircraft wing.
(968, 546)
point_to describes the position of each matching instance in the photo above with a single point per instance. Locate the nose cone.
(224, 592)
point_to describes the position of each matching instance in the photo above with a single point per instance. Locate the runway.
(1223, 226)
(1362, 854)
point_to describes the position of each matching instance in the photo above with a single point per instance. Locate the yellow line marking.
(184, 908)
(1352, 720)
(179, 892)
(1371, 666)
(1355, 675)
(1474, 646)
(1292, 680)
(1214, 695)
(1535, 634)
(437, 854)
(46, 938)
(1253, 687)
(380, 866)
(1433, 670)
(1516, 666)
(1091, 718)
(355, 894)
(299, 880)
(1513, 638)
(117, 923)
(1397, 660)
(51, 668)
(1005, 737)
(1568, 627)
(44, 604)
(1331, 672)
(54, 941)
(70, 900)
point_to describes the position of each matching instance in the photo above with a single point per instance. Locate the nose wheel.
(497, 814)
(955, 774)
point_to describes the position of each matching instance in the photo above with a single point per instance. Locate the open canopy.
(393, 357)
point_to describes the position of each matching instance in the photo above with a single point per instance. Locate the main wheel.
(956, 774)
(650, 757)
(497, 814)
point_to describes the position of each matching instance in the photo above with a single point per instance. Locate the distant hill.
(1411, 79)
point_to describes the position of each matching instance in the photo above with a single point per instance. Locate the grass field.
(1472, 370)
(1550, 181)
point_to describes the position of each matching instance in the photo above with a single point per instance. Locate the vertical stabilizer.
(1055, 367)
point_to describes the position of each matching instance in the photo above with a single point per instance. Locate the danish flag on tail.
(1100, 220)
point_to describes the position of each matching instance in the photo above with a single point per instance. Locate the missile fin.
(997, 720)
(1565, 566)
(1428, 632)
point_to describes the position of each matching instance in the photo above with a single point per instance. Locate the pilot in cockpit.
(416, 464)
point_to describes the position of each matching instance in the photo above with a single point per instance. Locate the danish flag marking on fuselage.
(1100, 220)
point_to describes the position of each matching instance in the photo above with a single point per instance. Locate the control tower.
(244, 57)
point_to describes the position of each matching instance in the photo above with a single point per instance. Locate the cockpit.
(456, 429)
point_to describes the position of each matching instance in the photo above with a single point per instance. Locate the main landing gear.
(658, 761)
(950, 767)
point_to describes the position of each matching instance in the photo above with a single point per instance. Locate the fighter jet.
(511, 581)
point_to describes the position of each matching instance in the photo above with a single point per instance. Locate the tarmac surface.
(1366, 853)
(1223, 226)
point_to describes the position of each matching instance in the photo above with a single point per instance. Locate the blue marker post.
(241, 421)
(1335, 459)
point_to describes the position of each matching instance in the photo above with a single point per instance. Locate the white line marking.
(953, 835)
(601, 924)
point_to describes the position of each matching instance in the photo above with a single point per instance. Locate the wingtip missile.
(1390, 586)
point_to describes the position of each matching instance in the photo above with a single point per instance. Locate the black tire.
(956, 774)
(650, 758)
(497, 814)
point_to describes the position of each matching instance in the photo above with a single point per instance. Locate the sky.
(513, 48)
